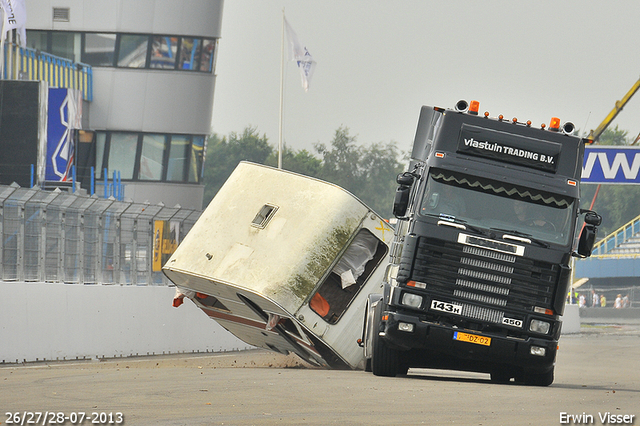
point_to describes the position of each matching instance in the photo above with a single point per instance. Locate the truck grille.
(474, 275)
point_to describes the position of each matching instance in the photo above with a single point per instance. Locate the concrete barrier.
(48, 321)
(571, 319)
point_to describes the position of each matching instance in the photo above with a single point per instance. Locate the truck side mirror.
(401, 201)
(588, 235)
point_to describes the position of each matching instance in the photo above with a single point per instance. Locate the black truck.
(488, 220)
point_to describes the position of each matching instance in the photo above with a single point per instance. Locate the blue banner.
(62, 119)
(611, 165)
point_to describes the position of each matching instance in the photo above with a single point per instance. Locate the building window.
(141, 51)
(190, 53)
(101, 143)
(208, 47)
(38, 40)
(122, 153)
(177, 158)
(66, 45)
(196, 159)
(163, 52)
(98, 49)
(152, 157)
(132, 51)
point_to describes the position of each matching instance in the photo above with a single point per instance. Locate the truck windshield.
(489, 204)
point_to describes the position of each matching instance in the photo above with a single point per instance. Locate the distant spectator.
(595, 300)
(626, 303)
(603, 301)
(583, 301)
(618, 303)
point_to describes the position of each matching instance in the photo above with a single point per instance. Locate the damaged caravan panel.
(285, 262)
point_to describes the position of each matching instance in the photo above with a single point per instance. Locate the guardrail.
(30, 64)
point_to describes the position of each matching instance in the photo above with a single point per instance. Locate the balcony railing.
(30, 64)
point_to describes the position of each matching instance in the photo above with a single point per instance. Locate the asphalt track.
(597, 372)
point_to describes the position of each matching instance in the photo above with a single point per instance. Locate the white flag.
(15, 17)
(300, 54)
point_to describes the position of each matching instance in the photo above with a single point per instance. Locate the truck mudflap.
(462, 349)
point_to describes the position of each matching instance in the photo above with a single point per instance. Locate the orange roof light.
(528, 123)
(473, 107)
(514, 120)
(500, 117)
(486, 114)
(555, 124)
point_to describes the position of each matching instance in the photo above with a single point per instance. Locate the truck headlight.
(538, 351)
(538, 326)
(411, 300)
(405, 326)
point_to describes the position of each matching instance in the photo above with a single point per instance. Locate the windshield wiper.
(453, 219)
(524, 235)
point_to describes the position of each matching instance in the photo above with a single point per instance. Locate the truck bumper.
(432, 345)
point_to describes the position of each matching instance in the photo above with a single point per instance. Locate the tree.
(340, 162)
(223, 155)
(302, 162)
(367, 172)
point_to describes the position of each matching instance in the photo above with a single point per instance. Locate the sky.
(379, 61)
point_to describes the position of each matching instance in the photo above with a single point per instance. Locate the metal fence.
(57, 236)
(30, 64)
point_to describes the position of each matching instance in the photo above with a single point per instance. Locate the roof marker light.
(500, 117)
(486, 114)
(528, 123)
(542, 126)
(554, 126)
(473, 107)
(514, 120)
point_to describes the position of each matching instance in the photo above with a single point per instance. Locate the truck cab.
(488, 222)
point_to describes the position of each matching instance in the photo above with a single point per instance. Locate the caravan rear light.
(439, 154)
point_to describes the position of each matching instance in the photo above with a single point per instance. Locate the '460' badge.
(451, 308)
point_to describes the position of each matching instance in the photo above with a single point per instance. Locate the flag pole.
(280, 127)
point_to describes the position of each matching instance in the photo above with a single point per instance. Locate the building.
(153, 65)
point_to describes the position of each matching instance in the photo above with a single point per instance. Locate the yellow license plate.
(472, 338)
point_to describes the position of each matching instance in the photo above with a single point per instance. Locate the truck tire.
(385, 361)
(538, 379)
(501, 377)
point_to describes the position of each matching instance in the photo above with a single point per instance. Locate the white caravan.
(285, 262)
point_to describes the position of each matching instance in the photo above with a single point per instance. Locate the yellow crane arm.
(595, 134)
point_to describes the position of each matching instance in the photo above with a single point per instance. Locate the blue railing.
(29, 64)
(618, 237)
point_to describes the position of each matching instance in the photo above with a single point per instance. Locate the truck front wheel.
(385, 361)
(538, 379)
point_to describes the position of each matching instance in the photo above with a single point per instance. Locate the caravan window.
(359, 260)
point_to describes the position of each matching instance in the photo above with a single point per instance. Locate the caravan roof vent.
(264, 216)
